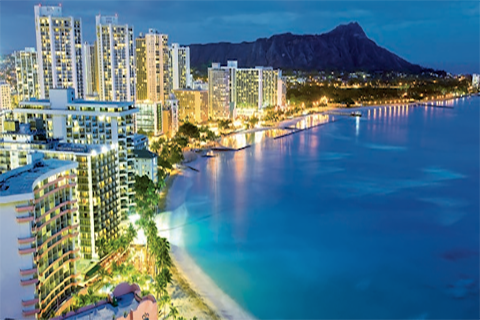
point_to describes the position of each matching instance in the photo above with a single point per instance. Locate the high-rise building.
(476, 80)
(180, 61)
(116, 64)
(192, 105)
(27, 74)
(152, 61)
(98, 179)
(89, 122)
(245, 90)
(38, 206)
(219, 82)
(59, 50)
(89, 69)
(153, 80)
(5, 96)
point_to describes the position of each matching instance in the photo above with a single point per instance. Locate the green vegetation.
(378, 90)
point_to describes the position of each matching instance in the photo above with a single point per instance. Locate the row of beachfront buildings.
(145, 69)
(70, 148)
(67, 174)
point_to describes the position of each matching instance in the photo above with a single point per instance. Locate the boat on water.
(209, 154)
(356, 114)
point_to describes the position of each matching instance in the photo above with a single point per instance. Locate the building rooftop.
(107, 311)
(20, 181)
(144, 154)
(130, 302)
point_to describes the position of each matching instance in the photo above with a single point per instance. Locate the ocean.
(362, 218)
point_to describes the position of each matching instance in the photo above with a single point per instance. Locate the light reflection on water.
(373, 217)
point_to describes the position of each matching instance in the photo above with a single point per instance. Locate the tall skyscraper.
(90, 69)
(180, 60)
(27, 74)
(219, 82)
(153, 79)
(116, 64)
(152, 61)
(59, 50)
(5, 96)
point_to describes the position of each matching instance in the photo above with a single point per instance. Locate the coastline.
(193, 292)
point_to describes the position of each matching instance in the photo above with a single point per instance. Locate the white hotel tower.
(59, 50)
(116, 63)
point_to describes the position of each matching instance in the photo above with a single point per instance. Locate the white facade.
(476, 80)
(5, 96)
(244, 91)
(89, 122)
(181, 77)
(116, 63)
(89, 69)
(59, 50)
(27, 74)
(146, 164)
(38, 232)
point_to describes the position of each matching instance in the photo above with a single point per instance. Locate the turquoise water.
(364, 218)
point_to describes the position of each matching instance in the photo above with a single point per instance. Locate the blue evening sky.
(438, 34)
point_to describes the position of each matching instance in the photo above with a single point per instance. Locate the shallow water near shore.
(374, 217)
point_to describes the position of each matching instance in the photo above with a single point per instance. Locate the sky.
(437, 34)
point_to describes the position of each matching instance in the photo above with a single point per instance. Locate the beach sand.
(195, 294)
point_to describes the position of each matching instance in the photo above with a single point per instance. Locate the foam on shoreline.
(206, 289)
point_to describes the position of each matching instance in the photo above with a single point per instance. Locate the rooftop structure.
(128, 301)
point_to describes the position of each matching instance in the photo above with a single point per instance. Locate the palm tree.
(173, 312)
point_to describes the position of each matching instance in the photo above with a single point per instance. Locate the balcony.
(29, 282)
(26, 272)
(25, 218)
(30, 312)
(26, 240)
(24, 208)
(27, 250)
(30, 302)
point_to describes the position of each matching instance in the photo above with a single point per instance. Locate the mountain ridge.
(345, 48)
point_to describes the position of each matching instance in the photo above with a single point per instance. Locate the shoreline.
(192, 291)
(199, 295)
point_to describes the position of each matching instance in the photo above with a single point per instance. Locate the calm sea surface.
(364, 218)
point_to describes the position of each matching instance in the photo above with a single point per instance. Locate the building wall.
(153, 65)
(192, 105)
(38, 267)
(147, 167)
(116, 64)
(5, 96)
(149, 117)
(90, 123)
(59, 51)
(88, 54)
(218, 93)
(98, 194)
(27, 74)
